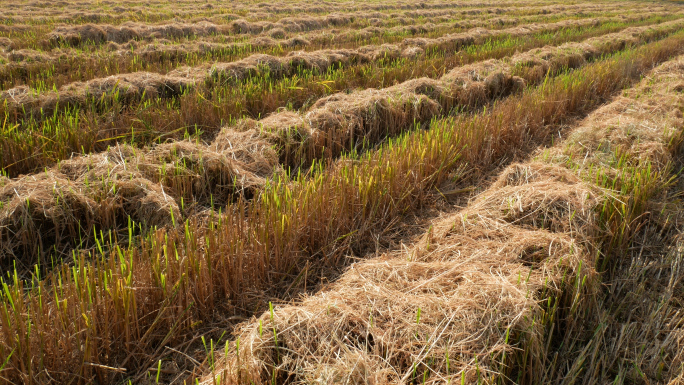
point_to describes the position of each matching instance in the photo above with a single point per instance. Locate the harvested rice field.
(342, 192)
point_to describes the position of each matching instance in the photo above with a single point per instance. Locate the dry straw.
(463, 305)
(352, 121)
(121, 89)
(51, 211)
(339, 123)
(129, 31)
(102, 33)
(129, 88)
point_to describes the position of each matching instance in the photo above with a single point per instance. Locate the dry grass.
(462, 305)
(102, 33)
(22, 101)
(632, 145)
(99, 34)
(52, 212)
(122, 89)
(39, 143)
(354, 121)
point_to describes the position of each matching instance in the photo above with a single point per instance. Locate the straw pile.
(103, 33)
(5, 42)
(290, 24)
(132, 87)
(341, 122)
(260, 65)
(468, 304)
(129, 31)
(636, 136)
(124, 89)
(288, 134)
(346, 122)
(41, 210)
(63, 205)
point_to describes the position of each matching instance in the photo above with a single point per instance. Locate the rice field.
(380, 192)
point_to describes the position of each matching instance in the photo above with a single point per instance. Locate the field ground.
(372, 192)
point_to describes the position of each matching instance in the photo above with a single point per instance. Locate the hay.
(520, 174)
(201, 175)
(116, 180)
(464, 277)
(412, 52)
(321, 61)
(290, 24)
(295, 42)
(454, 42)
(385, 51)
(636, 134)
(242, 26)
(538, 63)
(29, 56)
(39, 212)
(56, 208)
(19, 96)
(6, 43)
(252, 66)
(143, 201)
(633, 124)
(277, 33)
(362, 34)
(287, 134)
(103, 33)
(134, 85)
(534, 64)
(344, 122)
(264, 41)
(347, 121)
(194, 172)
(338, 20)
(250, 148)
(74, 36)
(475, 84)
(487, 279)
(436, 90)
(364, 329)
(299, 24)
(124, 89)
(542, 204)
(122, 35)
(259, 65)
